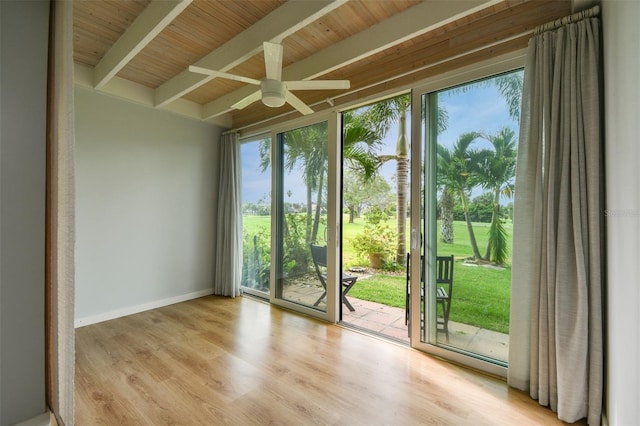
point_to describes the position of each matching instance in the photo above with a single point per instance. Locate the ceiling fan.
(273, 91)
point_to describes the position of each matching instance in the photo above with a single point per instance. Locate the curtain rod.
(588, 13)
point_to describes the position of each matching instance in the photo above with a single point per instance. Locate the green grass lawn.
(481, 295)
(381, 288)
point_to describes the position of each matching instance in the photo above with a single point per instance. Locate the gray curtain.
(556, 346)
(61, 216)
(228, 265)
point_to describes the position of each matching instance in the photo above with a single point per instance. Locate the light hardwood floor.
(239, 361)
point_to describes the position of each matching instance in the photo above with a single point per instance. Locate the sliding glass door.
(466, 141)
(301, 216)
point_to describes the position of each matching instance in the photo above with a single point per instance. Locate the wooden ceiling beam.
(413, 22)
(489, 36)
(258, 123)
(153, 19)
(282, 22)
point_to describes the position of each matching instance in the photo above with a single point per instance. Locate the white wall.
(622, 119)
(146, 202)
(23, 91)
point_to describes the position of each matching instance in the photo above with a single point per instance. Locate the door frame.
(334, 217)
(423, 231)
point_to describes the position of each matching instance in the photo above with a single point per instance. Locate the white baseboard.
(44, 419)
(129, 310)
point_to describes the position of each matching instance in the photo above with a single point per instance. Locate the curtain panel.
(60, 229)
(228, 272)
(556, 347)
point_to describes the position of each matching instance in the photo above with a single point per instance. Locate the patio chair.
(319, 255)
(444, 290)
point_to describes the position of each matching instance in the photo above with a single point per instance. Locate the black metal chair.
(444, 290)
(319, 256)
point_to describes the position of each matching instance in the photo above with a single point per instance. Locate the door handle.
(414, 239)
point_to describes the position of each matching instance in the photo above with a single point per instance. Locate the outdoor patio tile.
(368, 325)
(397, 333)
(380, 317)
(399, 322)
(389, 321)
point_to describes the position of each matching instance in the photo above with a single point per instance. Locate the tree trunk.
(316, 220)
(307, 230)
(352, 213)
(467, 217)
(494, 218)
(446, 216)
(403, 178)
(402, 168)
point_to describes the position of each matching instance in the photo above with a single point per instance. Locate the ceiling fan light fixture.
(272, 93)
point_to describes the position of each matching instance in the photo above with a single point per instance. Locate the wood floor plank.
(241, 362)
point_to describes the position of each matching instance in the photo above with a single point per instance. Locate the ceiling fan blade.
(213, 73)
(317, 84)
(295, 102)
(273, 60)
(255, 96)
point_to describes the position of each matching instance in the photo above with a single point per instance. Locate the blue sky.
(481, 109)
(255, 183)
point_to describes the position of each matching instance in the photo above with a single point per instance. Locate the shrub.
(256, 264)
(376, 238)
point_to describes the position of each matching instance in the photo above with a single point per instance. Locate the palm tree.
(360, 142)
(306, 148)
(456, 173)
(496, 173)
(381, 116)
(447, 202)
(510, 87)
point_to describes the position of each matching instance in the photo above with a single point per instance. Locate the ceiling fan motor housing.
(272, 92)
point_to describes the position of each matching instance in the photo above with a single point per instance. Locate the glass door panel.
(256, 216)
(301, 215)
(375, 193)
(469, 139)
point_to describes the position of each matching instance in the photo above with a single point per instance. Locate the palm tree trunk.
(307, 231)
(472, 235)
(402, 169)
(316, 220)
(403, 179)
(446, 216)
(494, 217)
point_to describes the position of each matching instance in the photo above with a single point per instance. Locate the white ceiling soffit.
(413, 22)
(153, 19)
(143, 95)
(279, 24)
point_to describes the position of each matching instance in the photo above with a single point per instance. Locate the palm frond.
(498, 241)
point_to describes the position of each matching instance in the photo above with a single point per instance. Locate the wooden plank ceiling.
(372, 43)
